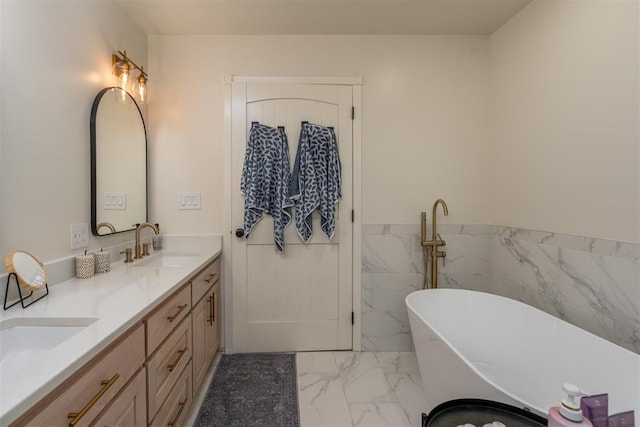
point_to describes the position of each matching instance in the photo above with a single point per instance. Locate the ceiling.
(274, 17)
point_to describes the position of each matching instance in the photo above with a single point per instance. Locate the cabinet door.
(200, 329)
(129, 408)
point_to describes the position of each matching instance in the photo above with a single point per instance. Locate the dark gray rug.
(252, 389)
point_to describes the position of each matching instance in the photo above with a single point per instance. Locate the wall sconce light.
(122, 67)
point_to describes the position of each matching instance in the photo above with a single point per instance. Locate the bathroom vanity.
(151, 331)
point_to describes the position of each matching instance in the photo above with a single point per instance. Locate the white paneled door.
(300, 299)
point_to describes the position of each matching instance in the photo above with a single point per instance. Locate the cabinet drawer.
(175, 409)
(166, 364)
(204, 280)
(166, 317)
(88, 391)
(129, 408)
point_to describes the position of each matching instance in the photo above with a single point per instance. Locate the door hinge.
(353, 215)
(353, 318)
(353, 113)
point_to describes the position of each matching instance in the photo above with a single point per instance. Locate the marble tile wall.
(592, 283)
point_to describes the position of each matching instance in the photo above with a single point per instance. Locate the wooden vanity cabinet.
(100, 384)
(188, 348)
(206, 320)
(149, 375)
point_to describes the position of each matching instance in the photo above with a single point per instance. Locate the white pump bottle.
(569, 414)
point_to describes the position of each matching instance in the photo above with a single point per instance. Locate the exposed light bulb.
(124, 77)
(141, 89)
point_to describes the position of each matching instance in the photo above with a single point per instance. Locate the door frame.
(227, 274)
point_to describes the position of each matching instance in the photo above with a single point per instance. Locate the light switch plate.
(79, 236)
(188, 201)
(115, 200)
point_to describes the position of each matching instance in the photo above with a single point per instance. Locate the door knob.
(239, 232)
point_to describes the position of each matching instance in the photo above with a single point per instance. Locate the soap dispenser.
(569, 414)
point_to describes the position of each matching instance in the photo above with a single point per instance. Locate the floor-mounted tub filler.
(477, 345)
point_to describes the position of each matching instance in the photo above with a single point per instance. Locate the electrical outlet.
(79, 236)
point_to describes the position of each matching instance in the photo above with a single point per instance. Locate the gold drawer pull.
(77, 416)
(213, 307)
(175, 316)
(180, 354)
(182, 405)
(210, 278)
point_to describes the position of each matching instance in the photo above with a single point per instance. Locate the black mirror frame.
(92, 131)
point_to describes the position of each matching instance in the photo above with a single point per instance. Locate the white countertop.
(118, 299)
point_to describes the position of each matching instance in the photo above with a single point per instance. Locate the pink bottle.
(568, 414)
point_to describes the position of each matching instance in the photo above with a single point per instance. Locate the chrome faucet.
(138, 248)
(433, 244)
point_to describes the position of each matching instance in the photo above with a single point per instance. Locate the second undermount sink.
(167, 260)
(24, 339)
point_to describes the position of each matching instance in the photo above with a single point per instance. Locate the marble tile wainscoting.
(592, 283)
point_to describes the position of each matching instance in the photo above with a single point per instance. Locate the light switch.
(188, 201)
(115, 200)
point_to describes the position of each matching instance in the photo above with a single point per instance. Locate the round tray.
(480, 412)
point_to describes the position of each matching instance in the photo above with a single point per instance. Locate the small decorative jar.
(85, 266)
(102, 261)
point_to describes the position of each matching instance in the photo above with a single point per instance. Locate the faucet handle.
(127, 255)
(145, 249)
(440, 238)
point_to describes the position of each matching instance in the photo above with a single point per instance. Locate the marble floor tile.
(363, 380)
(316, 362)
(397, 361)
(408, 390)
(362, 389)
(378, 414)
(322, 401)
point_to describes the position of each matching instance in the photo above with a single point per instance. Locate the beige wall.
(2, 178)
(561, 77)
(55, 57)
(425, 119)
(565, 83)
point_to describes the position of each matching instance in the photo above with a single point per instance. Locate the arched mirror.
(118, 163)
(29, 270)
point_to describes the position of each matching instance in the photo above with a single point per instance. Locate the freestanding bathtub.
(476, 345)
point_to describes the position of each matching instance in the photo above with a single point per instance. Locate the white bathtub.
(476, 345)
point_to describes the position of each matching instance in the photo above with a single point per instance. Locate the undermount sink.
(24, 340)
(167, 260)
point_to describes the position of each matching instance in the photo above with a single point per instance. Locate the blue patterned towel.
(265, 180)
(315, 182)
